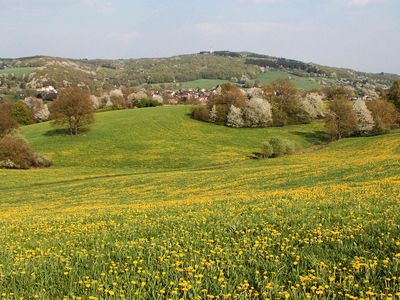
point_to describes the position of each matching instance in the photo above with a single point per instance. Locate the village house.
(47, 93)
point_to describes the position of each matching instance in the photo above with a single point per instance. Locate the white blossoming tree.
(258, 113)
(235, 117)
(365, 120)
(312, 103)
(213, 114)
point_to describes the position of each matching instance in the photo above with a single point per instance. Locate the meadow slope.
(150, 204)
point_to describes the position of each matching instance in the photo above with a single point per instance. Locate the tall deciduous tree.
(75, 109)
(393, 94)
(286, 107)
(335, 92)
(341, 120)
(385, 115)
(7, 121)
(365, 120)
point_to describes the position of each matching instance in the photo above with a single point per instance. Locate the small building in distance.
(47, 93)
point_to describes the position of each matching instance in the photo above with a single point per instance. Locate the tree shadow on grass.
(315, 137)
(57, 131)
(64, 131)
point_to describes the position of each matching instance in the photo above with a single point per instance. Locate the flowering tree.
(257, 113)
(235, 117)
(365, 120)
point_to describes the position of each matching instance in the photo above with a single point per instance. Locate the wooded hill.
(17, 76)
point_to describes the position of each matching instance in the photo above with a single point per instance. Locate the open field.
(12, 97)
(299, 82)
(17, 71)
(150, 204)
(202, 83)
(207, 84)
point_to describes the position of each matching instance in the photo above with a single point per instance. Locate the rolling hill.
(151, 204)
(202, 70)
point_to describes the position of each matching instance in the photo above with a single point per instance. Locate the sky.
(359, 34)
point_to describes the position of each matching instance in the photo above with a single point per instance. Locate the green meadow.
(17, 71)
(299, 82)
(150, 204)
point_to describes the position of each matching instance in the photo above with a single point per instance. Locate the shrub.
(278, 146)
(22, 113)
(266, 150)
(117, 98)
(135, 97)
(147, 103)
(290, 147)
(275, 147)
(15, 153)
(201, 113)
(41, 161)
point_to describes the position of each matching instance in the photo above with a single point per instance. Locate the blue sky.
(361, 34)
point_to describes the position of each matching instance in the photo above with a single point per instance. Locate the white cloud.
(217, 29)
(257, 27)
(31, 6)
(260, 1)
(208, 29)
(125, 38)
(363, 2)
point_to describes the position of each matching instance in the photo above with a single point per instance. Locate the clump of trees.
(275, 147)
(360, 118)
(73, 108)
(39, 109)
(335, 92)
(278, 104)
(286, 104)
(385, 115)
(19, 111)
(126, 98)
(146, 102)
(15, 152)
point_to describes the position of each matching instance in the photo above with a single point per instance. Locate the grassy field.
(207, 84)
(17, 71)
(202, 83)
(300, 82)
(150, 204)
(12, 97)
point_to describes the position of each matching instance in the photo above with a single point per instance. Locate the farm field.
(17, 71)
(150, 204)
(202, 83)
(12, 97)
(299, 82)
(207, 84)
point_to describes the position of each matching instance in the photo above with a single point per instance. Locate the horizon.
(184, 54)
(352, 34)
